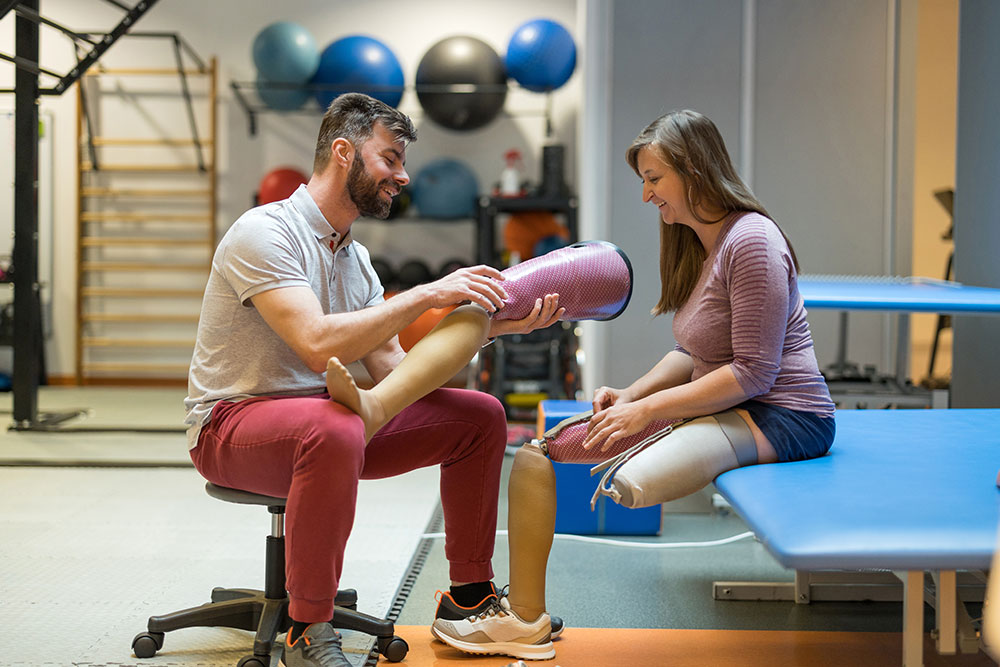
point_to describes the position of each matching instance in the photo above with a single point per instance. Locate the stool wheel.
(252, 661)
(394, 649)
(146, 644)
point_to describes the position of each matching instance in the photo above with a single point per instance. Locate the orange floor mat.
(614, 647)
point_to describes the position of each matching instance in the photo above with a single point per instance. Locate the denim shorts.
(795, 435)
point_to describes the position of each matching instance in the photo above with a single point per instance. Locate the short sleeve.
(262, 257)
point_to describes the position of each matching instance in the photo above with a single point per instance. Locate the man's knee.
(334, 438)
(486, 412)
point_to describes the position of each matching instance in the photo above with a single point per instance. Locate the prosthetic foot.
(593, 280)
(342, 389)
(434, 360)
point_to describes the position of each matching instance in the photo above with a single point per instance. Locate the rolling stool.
(265, 612)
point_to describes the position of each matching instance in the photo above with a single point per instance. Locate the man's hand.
(479, 284)
(546, 312)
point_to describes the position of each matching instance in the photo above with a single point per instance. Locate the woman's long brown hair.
(691, 144)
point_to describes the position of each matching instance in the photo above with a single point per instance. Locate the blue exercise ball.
(285, 51)
(446, 188)
(461, 83)
(359, 64)
(282, 96)
(541, 55)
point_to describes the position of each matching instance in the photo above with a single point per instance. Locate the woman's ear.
(342, 152)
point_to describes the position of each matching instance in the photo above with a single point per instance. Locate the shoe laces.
(496, 608)
(323, 648)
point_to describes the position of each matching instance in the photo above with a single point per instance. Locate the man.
(288, 290)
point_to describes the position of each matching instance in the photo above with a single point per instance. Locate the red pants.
(312, 451)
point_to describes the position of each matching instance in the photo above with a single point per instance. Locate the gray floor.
(159, 411)
(89, 553)
(98, 549)
(602, 586)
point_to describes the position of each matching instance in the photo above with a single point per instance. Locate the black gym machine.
(27, 339)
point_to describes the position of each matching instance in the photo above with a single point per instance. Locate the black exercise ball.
(461, 83)
(412, 273)
(450, 266)
(386, 275)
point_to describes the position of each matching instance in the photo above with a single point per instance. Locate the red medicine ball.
(279, 184)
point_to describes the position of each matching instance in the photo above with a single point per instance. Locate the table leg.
(946, 612)
(913, 617)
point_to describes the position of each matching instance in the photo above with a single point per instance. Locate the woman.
(741, 387)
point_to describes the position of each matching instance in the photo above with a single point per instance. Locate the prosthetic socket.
(593, 280)
(724, 441)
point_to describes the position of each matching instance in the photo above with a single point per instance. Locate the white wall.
(226, 29)
(818, 99)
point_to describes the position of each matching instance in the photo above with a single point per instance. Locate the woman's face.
(663, 187)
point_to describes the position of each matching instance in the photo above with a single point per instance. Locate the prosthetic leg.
(668, 459)
(593, 280)
(434, 360)
(668, 468)
(531, 523)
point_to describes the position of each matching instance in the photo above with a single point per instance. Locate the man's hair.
(353, 116)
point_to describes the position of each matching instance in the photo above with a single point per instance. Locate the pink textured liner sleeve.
(566, 446)
(593, 280)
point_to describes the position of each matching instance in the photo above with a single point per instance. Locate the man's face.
(377, 174)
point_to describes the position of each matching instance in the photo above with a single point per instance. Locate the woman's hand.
(546, 312)
(605, 397)
(614, 423)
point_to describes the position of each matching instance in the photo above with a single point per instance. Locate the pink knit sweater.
(746, 311)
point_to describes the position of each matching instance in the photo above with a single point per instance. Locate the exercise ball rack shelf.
(246, 95)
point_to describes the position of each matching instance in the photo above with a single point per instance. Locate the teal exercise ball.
(358, 64)
(541, 55)
(446, 188)
(281, 96)
(285, 51)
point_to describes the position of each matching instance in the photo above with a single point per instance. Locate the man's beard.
(365, 192)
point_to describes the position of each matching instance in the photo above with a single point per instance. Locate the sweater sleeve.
(757, 268)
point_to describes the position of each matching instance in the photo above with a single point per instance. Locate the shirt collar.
(306, 206)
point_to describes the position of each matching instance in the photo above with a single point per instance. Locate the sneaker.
(450, 610)
(317, 646)
(499, 631)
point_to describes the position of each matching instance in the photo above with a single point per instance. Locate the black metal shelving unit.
(542, 363)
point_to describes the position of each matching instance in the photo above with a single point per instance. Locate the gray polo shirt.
(282, 244)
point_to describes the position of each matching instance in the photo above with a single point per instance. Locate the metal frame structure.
(181, 47)
(27, 91)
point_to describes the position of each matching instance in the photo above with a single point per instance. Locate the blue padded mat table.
(910, 294)
(902, 490)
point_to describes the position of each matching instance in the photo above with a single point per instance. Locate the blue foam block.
(575, 486)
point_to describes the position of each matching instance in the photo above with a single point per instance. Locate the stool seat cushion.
(242, 497)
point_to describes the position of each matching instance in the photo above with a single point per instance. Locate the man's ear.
(342, 152)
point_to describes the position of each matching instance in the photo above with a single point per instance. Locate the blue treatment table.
(902, 296)
(902, 490)
(914, 295)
